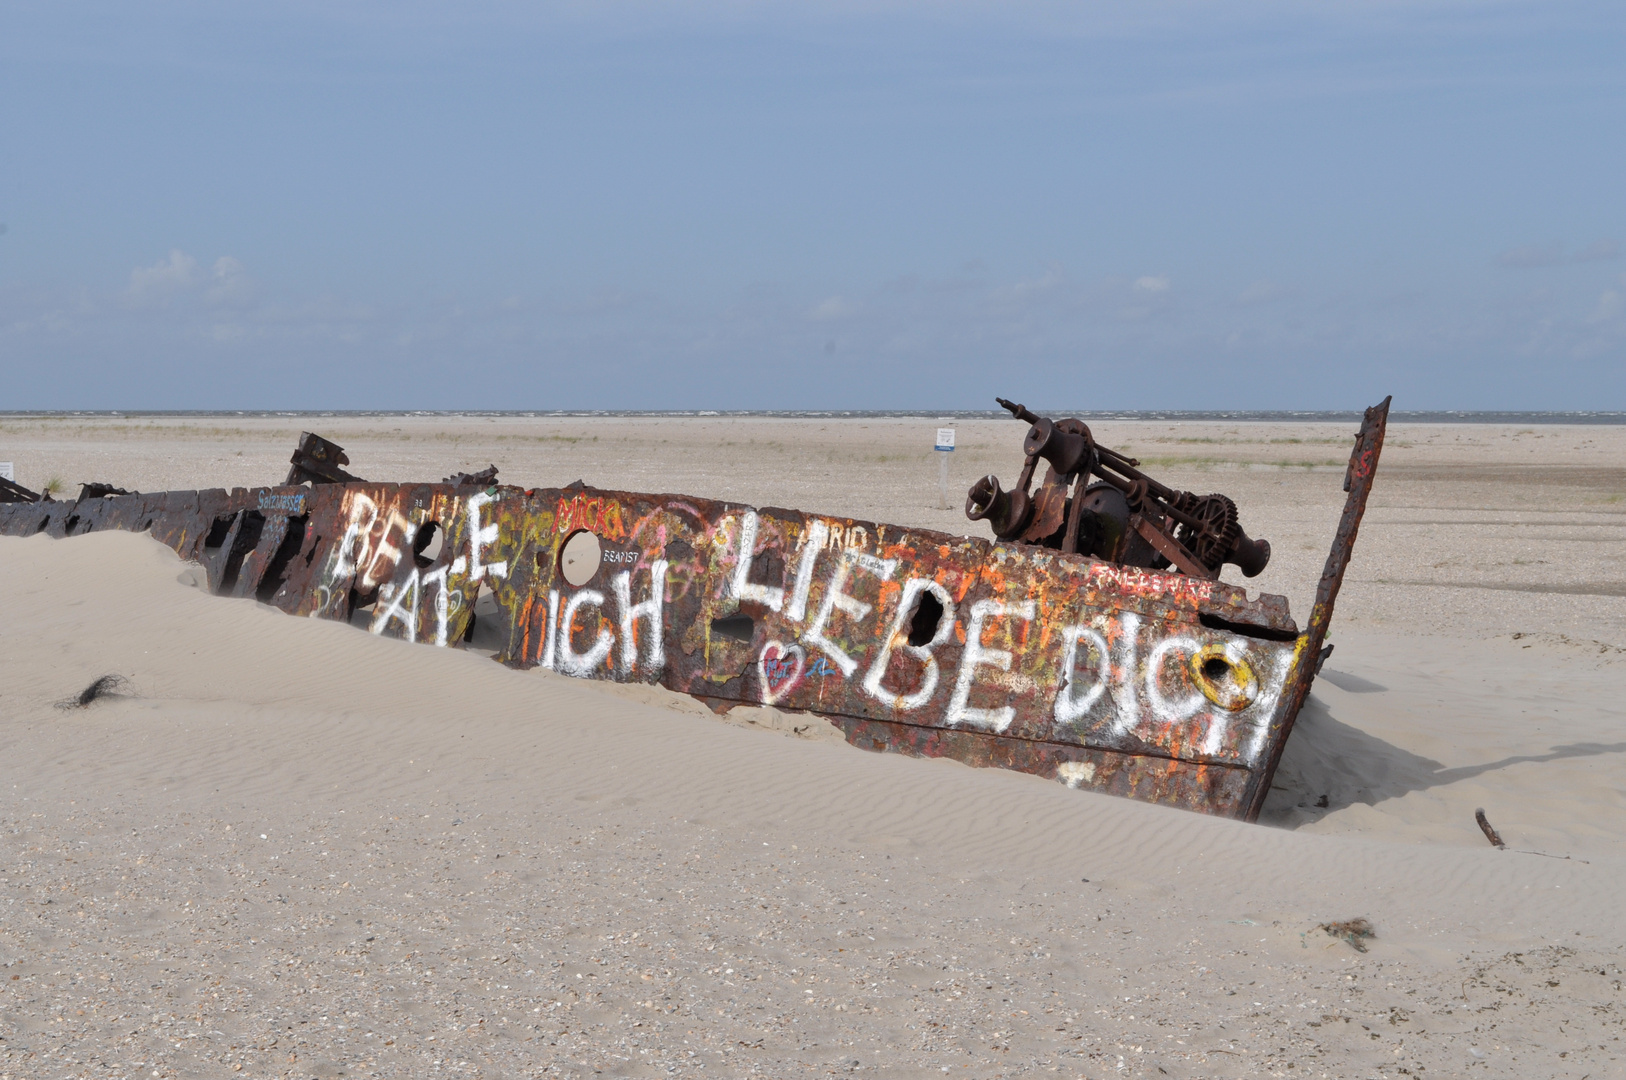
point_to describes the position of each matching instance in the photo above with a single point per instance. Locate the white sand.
(298, 849)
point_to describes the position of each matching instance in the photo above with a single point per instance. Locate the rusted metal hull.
(1154, 686)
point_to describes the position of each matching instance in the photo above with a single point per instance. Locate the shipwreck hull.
(1160, 687)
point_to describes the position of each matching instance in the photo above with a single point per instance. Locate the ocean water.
(1231, 415)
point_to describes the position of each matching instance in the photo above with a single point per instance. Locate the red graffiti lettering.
(601, 516)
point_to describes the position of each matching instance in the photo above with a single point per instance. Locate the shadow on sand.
(1329, 765)
(1351, 684)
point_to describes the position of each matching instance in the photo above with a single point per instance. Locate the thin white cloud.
(1531, 256)
(1109, 21)
(1612, 304)
(228, 282)
(831, 309)
(163, 279)
(1536, 256)
(912, 326)
(1027, 288)
(1599, 251)
(1260, 292)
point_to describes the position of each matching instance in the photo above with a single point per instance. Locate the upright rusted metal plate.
(1363, 468)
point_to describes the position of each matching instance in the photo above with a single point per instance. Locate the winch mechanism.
(1096, 501)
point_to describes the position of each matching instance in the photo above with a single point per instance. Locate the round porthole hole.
(427, 543)
(579, 558)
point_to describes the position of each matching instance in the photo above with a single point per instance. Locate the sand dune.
(297, 849)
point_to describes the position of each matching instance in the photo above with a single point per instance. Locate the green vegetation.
(1211, 462)
(1289, 440)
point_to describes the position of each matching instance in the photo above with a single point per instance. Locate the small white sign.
(5, 471)
(945, 438)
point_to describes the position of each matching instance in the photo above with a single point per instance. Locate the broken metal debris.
(1355, 932)
(99, 491)
(317, 461)
(484, 478)
(11, 492)
(1167, 687)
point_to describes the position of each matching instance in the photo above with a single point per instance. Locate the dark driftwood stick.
(1485, 826)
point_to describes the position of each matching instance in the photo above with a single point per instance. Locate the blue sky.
(888, 205)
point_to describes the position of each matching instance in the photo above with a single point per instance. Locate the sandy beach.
(288, 848)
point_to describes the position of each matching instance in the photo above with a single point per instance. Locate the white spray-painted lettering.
(974, 655)
(1170, 712)
(844, 536)
(1073, 705)
(482, 536)
(812, 542)
(398, 604)
(836, 598)
(572, 662)
(357, 555)
(1265, 706)
(1128, 711)
(549, 646)
(1104, 687)
(771, 596)
(1079, 702)
(897, 638)
(388, 555)
(650, 610)
(356, 544)
(443, 601)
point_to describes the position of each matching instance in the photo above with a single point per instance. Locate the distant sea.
(1231, 415)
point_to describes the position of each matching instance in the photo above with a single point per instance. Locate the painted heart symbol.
(780, 669)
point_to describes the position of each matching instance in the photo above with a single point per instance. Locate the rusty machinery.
(1121, 515)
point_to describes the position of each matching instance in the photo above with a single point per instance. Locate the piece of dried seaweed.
(102, 687)
(1355, 931)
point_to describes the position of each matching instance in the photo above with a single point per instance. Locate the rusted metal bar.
(1358, 476)
(1159, 686)
(1170, 548)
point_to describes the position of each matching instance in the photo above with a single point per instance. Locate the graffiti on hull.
(1154, 685)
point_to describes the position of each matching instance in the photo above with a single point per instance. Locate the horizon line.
(1435, 416)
